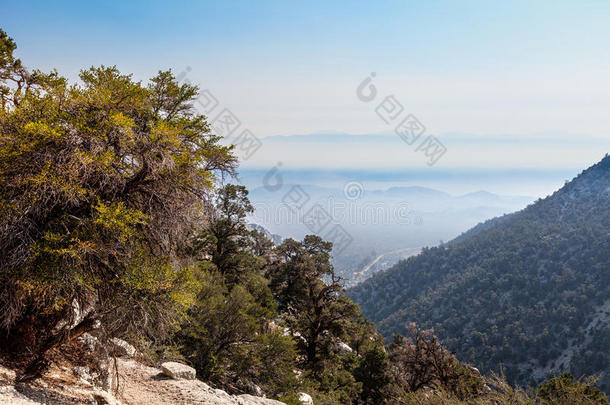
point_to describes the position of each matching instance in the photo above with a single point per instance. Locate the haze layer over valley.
(388, 201)
(383, 226)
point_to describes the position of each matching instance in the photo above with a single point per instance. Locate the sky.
(526, 81)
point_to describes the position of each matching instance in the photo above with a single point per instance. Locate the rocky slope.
(137, 385)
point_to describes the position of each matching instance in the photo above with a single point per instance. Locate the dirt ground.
(137, 385)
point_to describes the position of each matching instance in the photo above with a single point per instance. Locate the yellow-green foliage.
(101, 184)
(564, 390)
(118, 219)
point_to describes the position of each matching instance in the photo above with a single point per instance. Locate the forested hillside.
(529, 291)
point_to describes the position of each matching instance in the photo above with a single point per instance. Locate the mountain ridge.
(514, 288)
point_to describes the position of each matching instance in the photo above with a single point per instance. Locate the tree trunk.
(40, 363)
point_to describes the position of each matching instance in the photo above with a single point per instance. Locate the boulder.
(343, 348)
(178, 370)
(305, 398)
(121, 348)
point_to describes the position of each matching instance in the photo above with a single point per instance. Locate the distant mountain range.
(419, 197)
(392, 223)
(528, 290)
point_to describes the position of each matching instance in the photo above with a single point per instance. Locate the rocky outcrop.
(178, 371)
(121, 348)
(343, 348)
(139, 384)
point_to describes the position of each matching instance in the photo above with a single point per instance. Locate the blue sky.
(477, 67)
(396, 37)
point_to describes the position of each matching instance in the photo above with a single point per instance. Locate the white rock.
(258, 391)
(343, 348)
(121, 348)
(89, 341)
(305, 398)
(178, 370)
(220, 393)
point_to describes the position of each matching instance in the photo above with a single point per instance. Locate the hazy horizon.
(471, 162)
